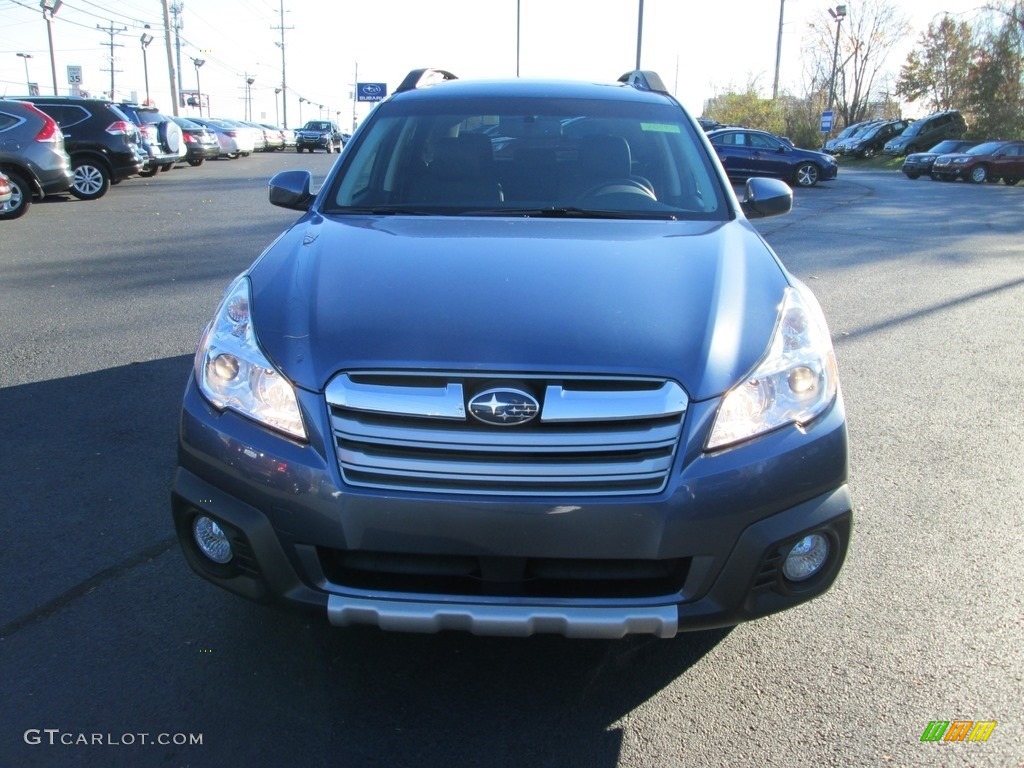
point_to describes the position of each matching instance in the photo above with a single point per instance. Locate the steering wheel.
(619, 186)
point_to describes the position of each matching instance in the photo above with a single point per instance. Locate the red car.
(5, 191)
(991, 161)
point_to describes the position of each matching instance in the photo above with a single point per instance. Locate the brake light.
(121, 127)
(188, 137)
(49, 132)
(232, 134)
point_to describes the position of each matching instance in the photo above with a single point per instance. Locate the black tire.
(196, 162)
(149, 172)
(806, 175)
(330, 148)
(298, 150)
(21, 197)
(166, 168)
(92, 179)
(979, 174)
(913, 175)
(1010, 181)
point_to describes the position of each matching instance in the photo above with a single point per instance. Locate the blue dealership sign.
(827, 120)
(371, 91)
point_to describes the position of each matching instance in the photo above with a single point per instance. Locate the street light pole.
(838, 14)
(50, 7)
(145, 39)
(248, 96)
(199, 91)
(28, 80)
(277, 113)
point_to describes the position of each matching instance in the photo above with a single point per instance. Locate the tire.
(868, 153)
(21, 197)
(196, 162)
(913, 175)
(1009, 181)
(298, 150)
(166, 168)
(330, 148)
(149, 172)
(91, 179)
(979, 174)
(806, 175)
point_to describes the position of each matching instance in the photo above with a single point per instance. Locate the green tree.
(996, 82)
(937, 71)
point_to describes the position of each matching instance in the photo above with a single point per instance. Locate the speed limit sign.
(74, 75)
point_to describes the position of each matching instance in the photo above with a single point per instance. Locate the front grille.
(592, 436)
(503, 576)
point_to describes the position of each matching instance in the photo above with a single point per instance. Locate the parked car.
(990, 161)
(274, 137)
(250, 139)
(232, 140)
(920, 163)
(746, 153)
(31, 155)
(927, 132)
(161, 137)
(200, 142)
(832, 145)
(870, 141)
(319, 134)
(103, 143)
(623, 417)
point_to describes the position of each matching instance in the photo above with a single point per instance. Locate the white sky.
(699, 47)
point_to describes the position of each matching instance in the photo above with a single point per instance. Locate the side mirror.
(290, 189)
(766, 197)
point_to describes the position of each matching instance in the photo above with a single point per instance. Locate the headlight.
(794, 382)
(232, 371)
(961, 160)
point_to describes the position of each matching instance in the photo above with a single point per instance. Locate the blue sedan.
(745, 153)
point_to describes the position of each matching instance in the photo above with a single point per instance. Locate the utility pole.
(284, 79)
(175, 93)
(111, 30)
(778, 50)
(50, 7)
(176, 8)
(355, 96)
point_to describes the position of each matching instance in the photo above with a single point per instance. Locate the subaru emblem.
(505, 407)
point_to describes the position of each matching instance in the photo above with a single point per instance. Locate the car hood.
(692, 301)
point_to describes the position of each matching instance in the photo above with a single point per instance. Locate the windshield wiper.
(570, 212)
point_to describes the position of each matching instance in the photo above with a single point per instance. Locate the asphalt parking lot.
(104, 631)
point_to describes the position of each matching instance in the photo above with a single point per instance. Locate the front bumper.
(725, 522)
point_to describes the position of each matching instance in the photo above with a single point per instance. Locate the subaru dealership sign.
(371, 91)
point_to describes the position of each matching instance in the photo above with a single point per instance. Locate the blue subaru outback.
(522, 365)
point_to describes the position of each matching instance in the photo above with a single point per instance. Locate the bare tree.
(867, 36)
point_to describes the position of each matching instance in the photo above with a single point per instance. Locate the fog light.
(806, 557)
(211, 540)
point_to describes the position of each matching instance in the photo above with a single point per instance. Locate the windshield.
(317, 126)
(984, 149)
(945, 146)
(528, 156)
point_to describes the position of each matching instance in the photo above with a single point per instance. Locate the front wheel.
(806, 175)
(979, 174)
(21, 197)
(913, 175)
(197, 162)
(330, 148)
(91, 180)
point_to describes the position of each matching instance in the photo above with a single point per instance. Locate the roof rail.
(644, 80)
(416, 78)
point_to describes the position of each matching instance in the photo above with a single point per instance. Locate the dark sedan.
(990, 161)
(920, 163)
(746, 153)
(200, 142)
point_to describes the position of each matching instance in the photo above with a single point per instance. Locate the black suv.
(319, 134)
(100, 139)
(161, 137)
(927, 132)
